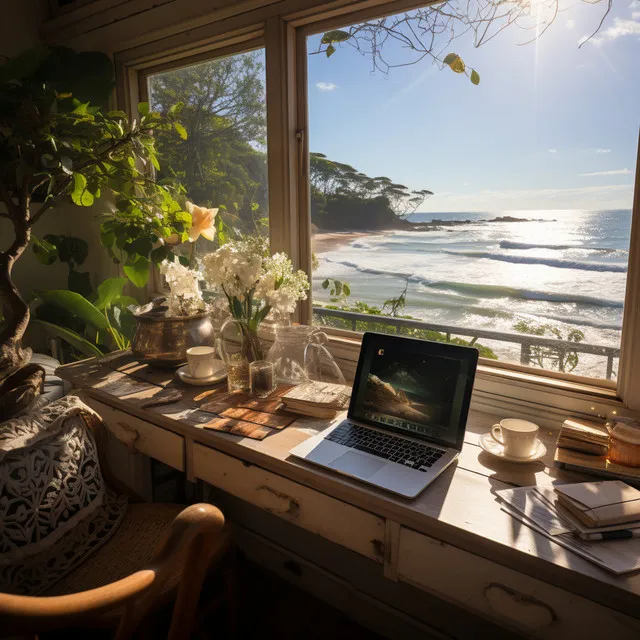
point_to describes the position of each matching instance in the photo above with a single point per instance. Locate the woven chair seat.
(128, 550)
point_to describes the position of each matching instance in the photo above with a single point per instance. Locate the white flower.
(185, 297)
(244, 271)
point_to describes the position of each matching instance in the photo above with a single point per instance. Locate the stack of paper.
(537, 508)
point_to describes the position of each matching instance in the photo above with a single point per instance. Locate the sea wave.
(484, 290)
(508, 244)
(549, 262)
(499, 291)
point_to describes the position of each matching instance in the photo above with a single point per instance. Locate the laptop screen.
(416, 387)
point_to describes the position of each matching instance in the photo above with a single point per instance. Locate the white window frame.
(184, 31)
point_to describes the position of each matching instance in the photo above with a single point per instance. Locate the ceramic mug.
(201, 361)
(516, 436)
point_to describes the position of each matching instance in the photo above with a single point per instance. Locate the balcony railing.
(350, 320)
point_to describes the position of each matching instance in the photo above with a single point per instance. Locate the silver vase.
(163, 342)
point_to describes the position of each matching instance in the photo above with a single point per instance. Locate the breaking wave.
(549, 262)
(508, 244)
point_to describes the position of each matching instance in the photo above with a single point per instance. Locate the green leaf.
(143, 108)
(450, 58)
(330, 50)
(45, 252)
(325, 284)
(80, 195)
(346, 289)
(181, 131)
(75, 304)
(335, 36)
(137, 270)
(69, 336)
(109, 291)
(475, 77)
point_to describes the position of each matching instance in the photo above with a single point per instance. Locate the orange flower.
(202, 222)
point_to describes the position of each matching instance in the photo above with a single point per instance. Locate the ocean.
(562, 268)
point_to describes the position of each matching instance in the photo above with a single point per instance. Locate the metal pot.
(163, 342)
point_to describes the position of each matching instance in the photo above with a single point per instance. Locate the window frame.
(282, 28)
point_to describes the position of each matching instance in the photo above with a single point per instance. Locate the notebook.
(599, 504)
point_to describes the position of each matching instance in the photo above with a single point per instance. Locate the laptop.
(406, 418)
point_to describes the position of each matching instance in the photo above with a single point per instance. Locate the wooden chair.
(123, 581)
(159, 551)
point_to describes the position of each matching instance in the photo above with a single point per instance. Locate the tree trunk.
(15, 309)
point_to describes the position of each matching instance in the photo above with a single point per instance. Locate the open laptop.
(406, 418)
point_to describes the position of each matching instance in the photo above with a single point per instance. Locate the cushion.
(54, 507)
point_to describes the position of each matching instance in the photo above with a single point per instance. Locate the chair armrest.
(193, 527)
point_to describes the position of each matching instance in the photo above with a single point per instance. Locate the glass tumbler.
(262, 377)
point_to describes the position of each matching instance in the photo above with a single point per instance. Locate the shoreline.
(326, 241)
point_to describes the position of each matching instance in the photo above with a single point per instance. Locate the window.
(222, 162)
(487, 205)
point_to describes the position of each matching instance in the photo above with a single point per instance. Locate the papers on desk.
(535, 507)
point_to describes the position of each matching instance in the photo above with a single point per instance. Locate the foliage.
(343, 197)
(90, 327)
(222, 162)
(56, 145)
(69, 250)
(561, 357)
(428, 32)
(338, 290)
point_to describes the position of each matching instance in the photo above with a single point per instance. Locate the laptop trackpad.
(355, 464)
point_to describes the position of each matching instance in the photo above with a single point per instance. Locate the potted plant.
(57, 143)
(167, 327)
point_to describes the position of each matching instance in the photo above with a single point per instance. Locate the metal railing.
(350, 320)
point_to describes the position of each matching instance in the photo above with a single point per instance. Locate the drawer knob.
(128, 435)
(522, 609)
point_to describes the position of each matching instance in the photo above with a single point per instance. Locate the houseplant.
(57, 142)
(167, 327)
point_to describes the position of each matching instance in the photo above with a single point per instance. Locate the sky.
(550, 126)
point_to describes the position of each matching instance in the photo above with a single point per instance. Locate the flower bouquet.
(254, 285)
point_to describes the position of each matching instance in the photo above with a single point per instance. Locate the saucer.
(496, 449)
(219, 374)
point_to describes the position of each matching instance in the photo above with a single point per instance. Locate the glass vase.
(238, 346)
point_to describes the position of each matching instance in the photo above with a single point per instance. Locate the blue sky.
(550, 126)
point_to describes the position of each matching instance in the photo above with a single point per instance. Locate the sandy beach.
(331, 240)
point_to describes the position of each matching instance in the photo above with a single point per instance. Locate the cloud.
(571, 24)
(603, 150)
(326, 86)
(614, 172)
(620, 27)
(552, 150)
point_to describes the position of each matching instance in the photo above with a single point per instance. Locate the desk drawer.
(513, 599)
(332, 519)
(141, 436)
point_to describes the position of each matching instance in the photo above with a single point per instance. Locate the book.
(584, 436)
(595, 465)
(319, 394)
(599, 504)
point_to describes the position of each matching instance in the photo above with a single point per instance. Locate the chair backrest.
(192, 536)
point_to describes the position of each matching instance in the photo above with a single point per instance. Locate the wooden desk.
(453, 541)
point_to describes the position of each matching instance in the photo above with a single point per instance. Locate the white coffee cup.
(201, 361)
(516, 436)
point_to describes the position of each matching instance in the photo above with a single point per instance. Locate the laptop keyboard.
(384, 445)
